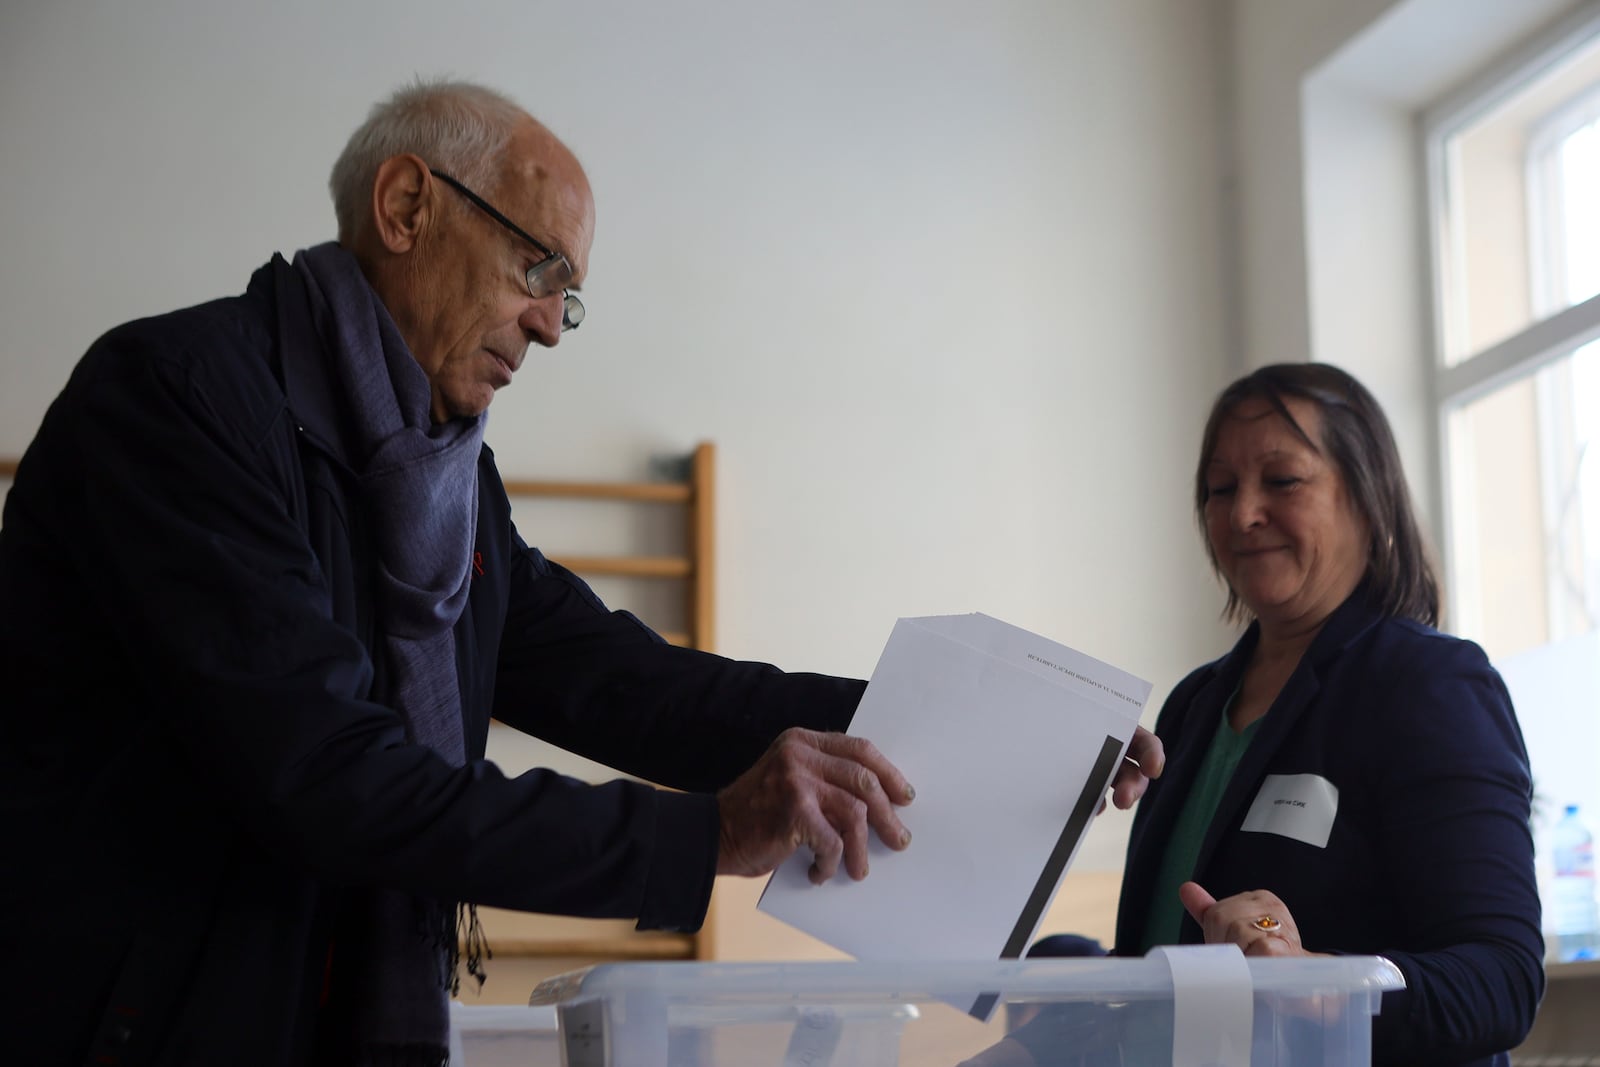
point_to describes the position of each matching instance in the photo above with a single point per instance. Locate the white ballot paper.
(1010, 740)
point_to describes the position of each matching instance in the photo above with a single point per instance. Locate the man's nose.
(541, 320)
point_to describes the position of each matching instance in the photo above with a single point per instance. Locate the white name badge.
(1299, 806)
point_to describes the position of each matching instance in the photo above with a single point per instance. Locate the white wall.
(1272, 46)
(945, 282)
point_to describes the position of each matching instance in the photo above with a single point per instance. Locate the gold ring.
(1267, 923)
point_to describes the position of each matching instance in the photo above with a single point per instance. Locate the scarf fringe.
(466, 940)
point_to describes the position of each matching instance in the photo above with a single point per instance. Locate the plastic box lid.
(1190, 1006)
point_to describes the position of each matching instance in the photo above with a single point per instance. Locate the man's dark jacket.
(193, 783)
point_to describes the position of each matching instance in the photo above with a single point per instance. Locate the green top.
(1165, 920)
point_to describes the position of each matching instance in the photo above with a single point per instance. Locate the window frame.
(1458, 381)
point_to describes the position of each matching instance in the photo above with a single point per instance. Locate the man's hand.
(820, 790)
(1145, 760)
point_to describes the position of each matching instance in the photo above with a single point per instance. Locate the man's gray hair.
(456, 127)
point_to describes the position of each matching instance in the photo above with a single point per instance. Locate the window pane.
(1520, 219)
(1525, 508)
(1574, 213)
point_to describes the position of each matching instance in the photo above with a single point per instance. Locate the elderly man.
(262, 595)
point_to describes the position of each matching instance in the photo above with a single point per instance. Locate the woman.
(1348, 779)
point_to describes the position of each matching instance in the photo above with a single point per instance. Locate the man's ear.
(403, 202)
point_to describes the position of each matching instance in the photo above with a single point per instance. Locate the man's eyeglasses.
(551, 274)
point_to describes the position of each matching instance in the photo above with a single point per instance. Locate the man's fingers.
(828, 793)
(856, 835)
(862, 783)
(859, 750)
(836, 827)
(826, 848)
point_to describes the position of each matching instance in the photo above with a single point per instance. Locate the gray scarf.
(419, 484)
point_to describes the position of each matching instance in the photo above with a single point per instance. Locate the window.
(1514, 197)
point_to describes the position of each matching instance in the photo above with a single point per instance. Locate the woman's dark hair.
(1356, 437)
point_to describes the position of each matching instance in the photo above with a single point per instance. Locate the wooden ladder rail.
(696, 566)
(696, 493)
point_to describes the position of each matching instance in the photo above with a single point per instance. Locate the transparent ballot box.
(503, 1035)
(1197, 1005)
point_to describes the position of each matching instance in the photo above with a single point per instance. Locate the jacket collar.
(1349, 621)
(304, 364)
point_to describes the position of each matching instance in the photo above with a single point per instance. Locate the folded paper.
(1011, 741)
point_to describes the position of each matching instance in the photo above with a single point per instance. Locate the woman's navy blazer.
(1428, 860)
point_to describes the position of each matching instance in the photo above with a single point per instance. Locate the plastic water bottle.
(1574, 913)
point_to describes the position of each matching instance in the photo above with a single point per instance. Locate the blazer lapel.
(1349, 620)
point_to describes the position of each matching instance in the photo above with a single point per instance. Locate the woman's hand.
(1257, 921)
(1145, 759)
